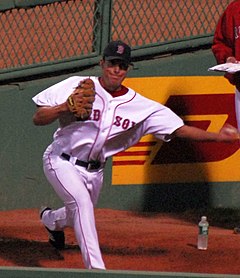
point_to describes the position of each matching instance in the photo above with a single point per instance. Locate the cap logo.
(120, 49)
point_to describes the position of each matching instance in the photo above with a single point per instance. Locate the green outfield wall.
(18, 272)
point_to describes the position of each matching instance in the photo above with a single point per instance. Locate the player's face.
(113, 74)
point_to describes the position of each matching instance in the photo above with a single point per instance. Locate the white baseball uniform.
(116, 123)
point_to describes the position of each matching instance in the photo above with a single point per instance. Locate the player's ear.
(101, 63)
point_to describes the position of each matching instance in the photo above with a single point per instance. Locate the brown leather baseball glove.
(80, 102)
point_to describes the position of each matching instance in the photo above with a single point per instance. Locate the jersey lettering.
(95, 115)
(118, 121)
(124, 123)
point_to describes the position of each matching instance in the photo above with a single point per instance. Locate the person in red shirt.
(226, 49)
(226, 41)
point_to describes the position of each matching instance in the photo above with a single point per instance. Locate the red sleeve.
(223, 41)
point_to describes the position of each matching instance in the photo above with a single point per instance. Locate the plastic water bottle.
(203, 226)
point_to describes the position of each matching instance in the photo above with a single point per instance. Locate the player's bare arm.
(227, 134)
(47, 114)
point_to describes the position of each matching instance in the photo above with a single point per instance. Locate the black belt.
(91, 165)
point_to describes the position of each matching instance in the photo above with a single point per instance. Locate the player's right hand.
(229, 134)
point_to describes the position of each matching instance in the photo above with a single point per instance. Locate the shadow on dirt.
(17, 251)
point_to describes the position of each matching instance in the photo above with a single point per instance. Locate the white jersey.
(116, 123)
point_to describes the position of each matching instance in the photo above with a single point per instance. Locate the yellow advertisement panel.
(203, 101)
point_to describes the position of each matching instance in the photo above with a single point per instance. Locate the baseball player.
(226, 49)
(74, 162)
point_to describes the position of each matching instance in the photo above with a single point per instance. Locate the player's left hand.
(229, 134)
(80, 102)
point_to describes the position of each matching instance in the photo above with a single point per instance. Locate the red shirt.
(226, 41)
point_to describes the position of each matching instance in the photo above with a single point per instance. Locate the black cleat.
(56, 238)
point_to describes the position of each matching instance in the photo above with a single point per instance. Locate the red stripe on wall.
(128, 162)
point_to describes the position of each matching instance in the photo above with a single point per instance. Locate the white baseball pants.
(79, 190)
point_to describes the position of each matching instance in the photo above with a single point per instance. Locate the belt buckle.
(93, 165)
